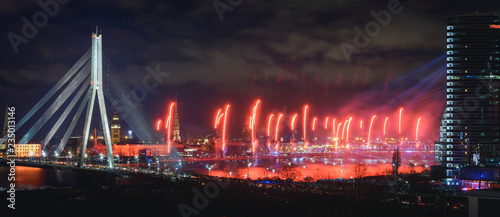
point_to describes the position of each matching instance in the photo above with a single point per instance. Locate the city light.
(385, 123)
(217, 117)
(343, 128)
(169, 127)
(292, 124)
(253, 123)
(338, 128)
(277, 127)
(416, 133)
(158, 125)
(224, 128)
(269, 125)
(241, 63)
(400, 116)
(370, 131)
(348, 126)
(333, 128)
(305, 125)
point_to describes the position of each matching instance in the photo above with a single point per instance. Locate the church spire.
(176, 124)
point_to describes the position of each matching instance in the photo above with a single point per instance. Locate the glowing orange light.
(253, 121)
(494, 26)
(224, 129)
(361, 124)
(158, 125)
(217, 118)
(314, 123)
(167, 123)
(370, 130)
(250, 123)
(333, 127)
(169, 126)
(292, 124)
(305, 117)
(277, 128)
(385, 123)
(343, 128)
(269, 125)
(326, 123)
(416, 133)
(348, 126)
(338, 128)
(400, 113)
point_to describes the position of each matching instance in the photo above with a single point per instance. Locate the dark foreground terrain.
(208, 196)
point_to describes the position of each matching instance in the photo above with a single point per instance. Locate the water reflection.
(336, 165)
(33, 177)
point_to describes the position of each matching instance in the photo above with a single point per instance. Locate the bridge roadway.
(97, 172)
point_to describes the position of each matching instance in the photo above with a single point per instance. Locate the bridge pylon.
(96, 89)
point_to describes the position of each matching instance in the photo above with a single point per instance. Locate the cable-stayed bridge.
(78, 90)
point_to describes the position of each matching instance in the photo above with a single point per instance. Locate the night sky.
(286, 53)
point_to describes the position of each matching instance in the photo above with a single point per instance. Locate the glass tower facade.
(470, 127)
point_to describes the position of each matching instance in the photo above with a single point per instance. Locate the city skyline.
(250, 108)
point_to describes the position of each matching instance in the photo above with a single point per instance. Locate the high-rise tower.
(470, 128)
(115, 129)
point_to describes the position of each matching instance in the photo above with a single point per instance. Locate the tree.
(396, 160)
(388, 171)
(426, 170)
(360, 170)
(290, 172)
(412, 168)
(309, 179)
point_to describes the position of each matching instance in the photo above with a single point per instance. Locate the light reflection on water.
(34, 177)
(337, 165)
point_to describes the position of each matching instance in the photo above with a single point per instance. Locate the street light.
(180, 162)
(248, 174)
(209, 167)
(43, 156)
